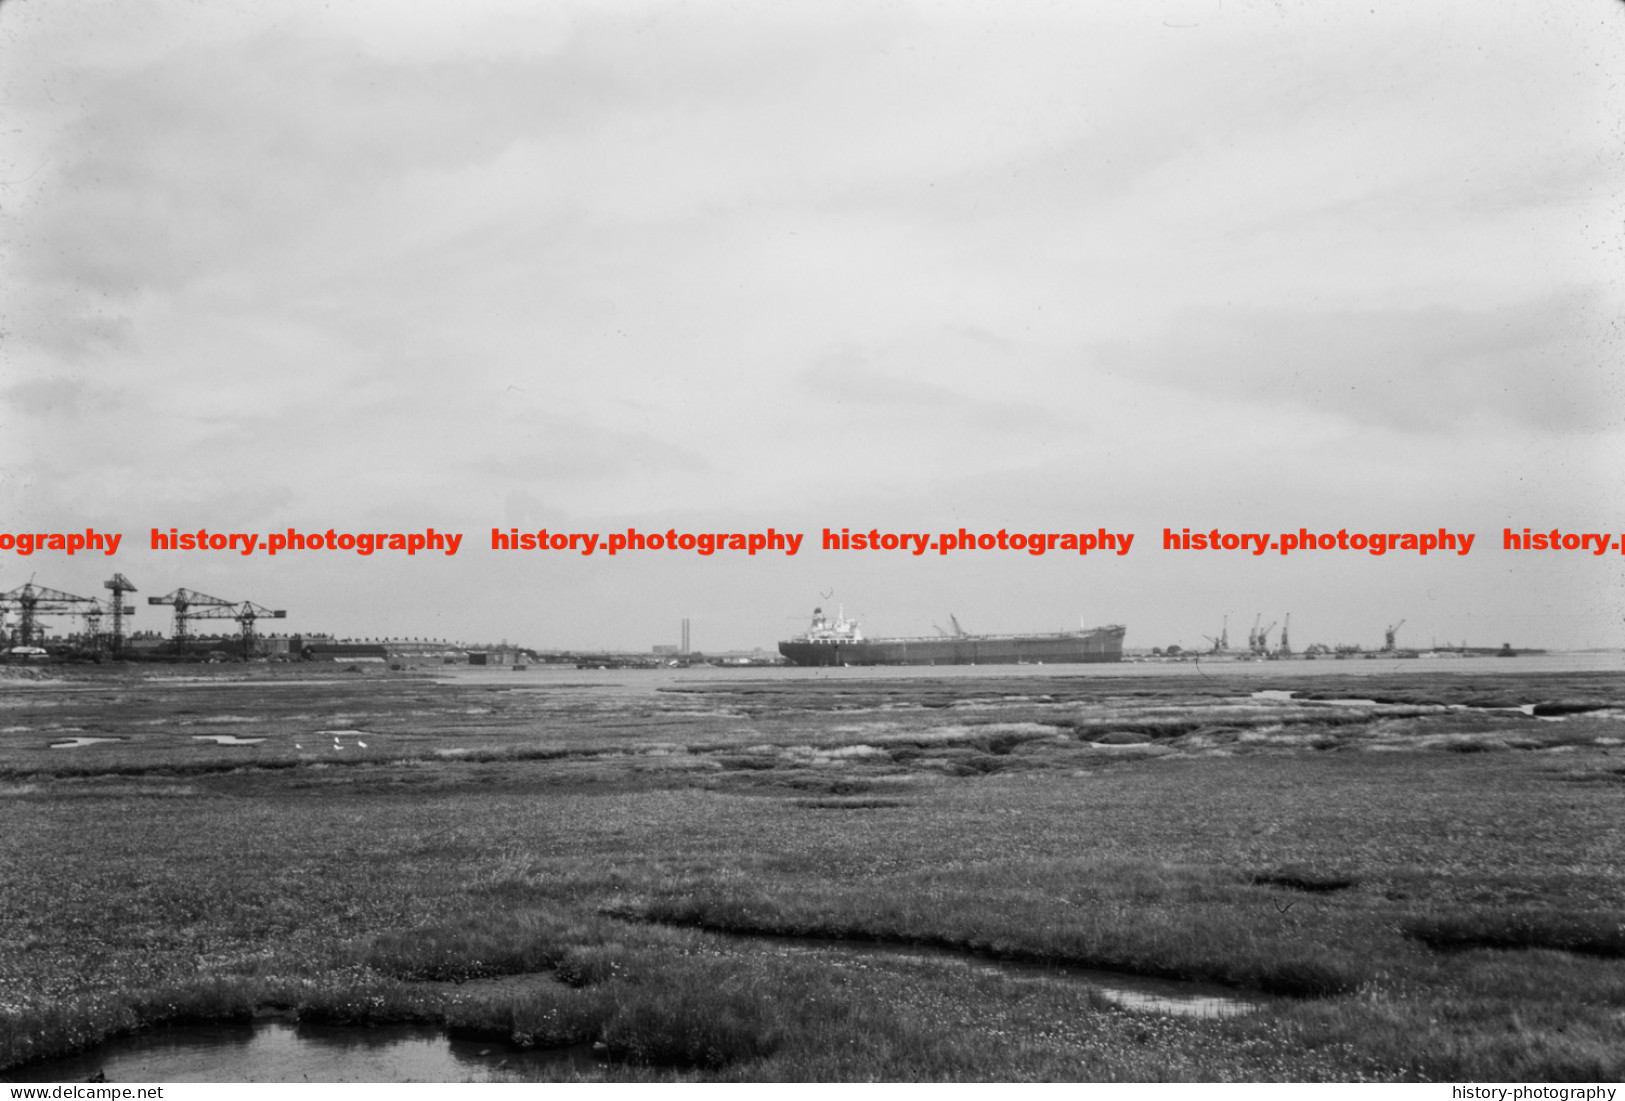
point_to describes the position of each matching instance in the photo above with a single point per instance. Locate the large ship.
(839, 641)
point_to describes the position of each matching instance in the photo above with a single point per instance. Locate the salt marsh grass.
(559, 864)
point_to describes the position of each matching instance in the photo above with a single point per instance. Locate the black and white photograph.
(689, 541)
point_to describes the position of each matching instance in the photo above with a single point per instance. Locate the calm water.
(280, 1051)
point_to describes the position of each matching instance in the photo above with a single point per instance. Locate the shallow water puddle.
(1292, 697)
(75, 743)
(1172, 996)
(281, 1051)
(1526, 709)
(226, 739)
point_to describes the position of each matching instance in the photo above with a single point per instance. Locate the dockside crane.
(190, 605)
(1388, 636)
(93, 624)
(1262, 646)
(120, 585)
(1285, 649)
(31, 601)
(1252, 635)
(247, 613)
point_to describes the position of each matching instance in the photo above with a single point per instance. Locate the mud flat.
(1407, 875)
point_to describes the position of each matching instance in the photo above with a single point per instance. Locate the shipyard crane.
(1252, 635)
(120, 585)
(31, 601)
(1224, 634)
(1263, 643)
(959, 632)
(185, 601)
(190, 605)
(247, 612)
(93, 635)
(93, 624)
(1285, 649)
(1388, 636)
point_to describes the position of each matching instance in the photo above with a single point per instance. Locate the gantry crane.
(184, 602)
(120, 585)
(1285, 649)
(93, 624)
(31, 601)
(1262, 644)
(247, 612)
(1388, 636)
(190, 605)
(93, 637)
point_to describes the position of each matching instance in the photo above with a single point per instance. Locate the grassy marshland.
(1429, 893)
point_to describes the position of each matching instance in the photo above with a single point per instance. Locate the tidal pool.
(1530, 710)
(1175, 997)
(283, 1051)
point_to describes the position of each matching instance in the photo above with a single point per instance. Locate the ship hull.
(1099, 645)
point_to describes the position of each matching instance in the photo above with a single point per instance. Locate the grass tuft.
(1309, 977)
(73, 1024)
(482, 946)
(590, 965)
(685, 1018)
(544, 1016)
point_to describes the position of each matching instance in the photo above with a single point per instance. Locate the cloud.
(46, 398)
(846, 378)
(1539, 364)
(557, 451)
(496, 260)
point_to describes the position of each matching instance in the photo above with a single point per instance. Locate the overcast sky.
(706, 265)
